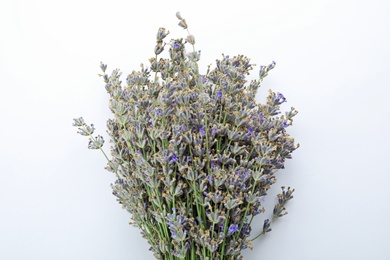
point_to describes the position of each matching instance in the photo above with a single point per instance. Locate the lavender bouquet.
(194, 155)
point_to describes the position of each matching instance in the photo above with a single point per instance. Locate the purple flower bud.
(180, 219)
(281, 98)
(222, 226)
(202, 131)
(173, 159)
(261, 115)
(161, 34)
(203, 79)
(233, 228)
(272, 65)
(158, 112)
(175, 45)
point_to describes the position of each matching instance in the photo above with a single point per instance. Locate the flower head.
(183, 24)
(161, 34)
(78, 121)
(190, 39)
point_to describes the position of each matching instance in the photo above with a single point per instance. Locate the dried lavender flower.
(190, 39)
(179, 16)
(194, 154)
(161, 34)
(183, 24)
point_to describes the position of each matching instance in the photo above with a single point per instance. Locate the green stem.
(261, 234)
(198, 209)
(207, 145)
(193, 45)
(193, 252)
(225, 228)
(246, 212)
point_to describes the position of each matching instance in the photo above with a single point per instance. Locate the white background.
(333, 64)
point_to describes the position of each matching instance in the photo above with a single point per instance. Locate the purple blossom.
(261, 115)
(203, 79)
(266, 226)
(213, 163)
(176, 45)
(257, 211)
(222, 226)
(158, 112)
(278, 99)
(264, 179)
(246, 230)
(233, 228)
(181, 219)
(188, 160)
(281, 97)
(202, 131)
(219, 94)
(173, 159)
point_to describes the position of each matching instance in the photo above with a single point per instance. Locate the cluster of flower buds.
(194, 154)
(87, 130)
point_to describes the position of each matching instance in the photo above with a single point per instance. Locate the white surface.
(333, 63)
